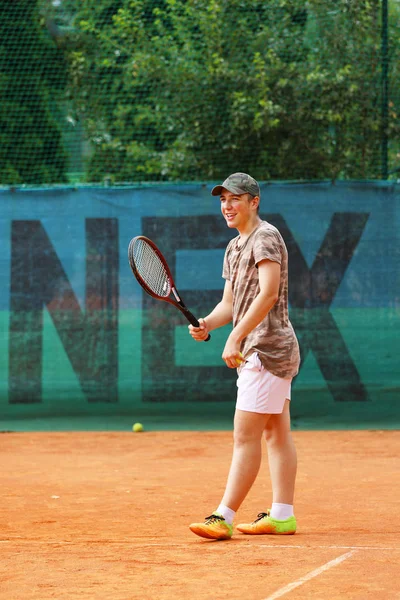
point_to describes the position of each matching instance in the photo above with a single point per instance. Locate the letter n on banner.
(90, 338)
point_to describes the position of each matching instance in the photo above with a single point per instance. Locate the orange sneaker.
(266, 524)
(214, 527)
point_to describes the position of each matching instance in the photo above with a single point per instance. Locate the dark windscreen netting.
(173, 90)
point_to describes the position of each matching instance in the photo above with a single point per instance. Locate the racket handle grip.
(195, 323)
(192, 319)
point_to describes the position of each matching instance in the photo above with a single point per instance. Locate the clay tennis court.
(94, 515)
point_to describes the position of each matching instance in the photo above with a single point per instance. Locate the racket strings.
(150, 268)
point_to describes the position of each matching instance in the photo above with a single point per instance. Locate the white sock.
(281, 511)
(226, 512)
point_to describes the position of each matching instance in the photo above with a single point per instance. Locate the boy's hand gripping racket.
(152, 272)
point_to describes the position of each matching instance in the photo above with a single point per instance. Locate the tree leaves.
(194, 89)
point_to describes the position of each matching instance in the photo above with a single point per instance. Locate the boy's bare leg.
(246, 458)
(282, 456)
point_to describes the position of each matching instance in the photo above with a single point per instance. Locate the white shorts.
(259, 390)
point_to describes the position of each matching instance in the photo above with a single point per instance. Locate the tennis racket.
(152, 272)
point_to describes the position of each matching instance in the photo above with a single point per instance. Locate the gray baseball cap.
(238, 183)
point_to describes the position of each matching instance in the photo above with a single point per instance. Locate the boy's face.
(238, 210)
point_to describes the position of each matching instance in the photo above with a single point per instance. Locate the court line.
(185, 545)
(390, 548)
(311, 575)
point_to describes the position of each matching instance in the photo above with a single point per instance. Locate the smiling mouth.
(230, 216)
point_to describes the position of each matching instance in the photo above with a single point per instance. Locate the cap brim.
(216, 191)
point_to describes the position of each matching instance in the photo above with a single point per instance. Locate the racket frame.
(178, 302)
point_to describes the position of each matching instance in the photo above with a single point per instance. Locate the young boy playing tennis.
(264, 349)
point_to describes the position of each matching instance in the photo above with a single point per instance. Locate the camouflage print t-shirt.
(274, 338)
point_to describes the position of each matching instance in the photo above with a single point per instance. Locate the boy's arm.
(221, 315)
(269, 280)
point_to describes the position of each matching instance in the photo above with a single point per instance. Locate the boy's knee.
(268, 433)
(272, 436)
(275, 434)
(243, 436)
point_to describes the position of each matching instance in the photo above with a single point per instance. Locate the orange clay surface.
(94, 516)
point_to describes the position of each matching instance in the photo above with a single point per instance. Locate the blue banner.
(78, 336)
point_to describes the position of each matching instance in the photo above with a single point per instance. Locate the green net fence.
(181, 90)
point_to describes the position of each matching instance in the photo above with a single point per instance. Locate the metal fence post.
(385, 90)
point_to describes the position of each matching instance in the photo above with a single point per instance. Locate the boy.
(264, 349)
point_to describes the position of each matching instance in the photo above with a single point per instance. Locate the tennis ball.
(240, 360)
(137, 427)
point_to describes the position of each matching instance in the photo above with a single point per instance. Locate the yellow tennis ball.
(137, 427)
(240, 360)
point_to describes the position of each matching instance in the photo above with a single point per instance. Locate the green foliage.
(194, 89)
(32, 72)
(173, 90)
